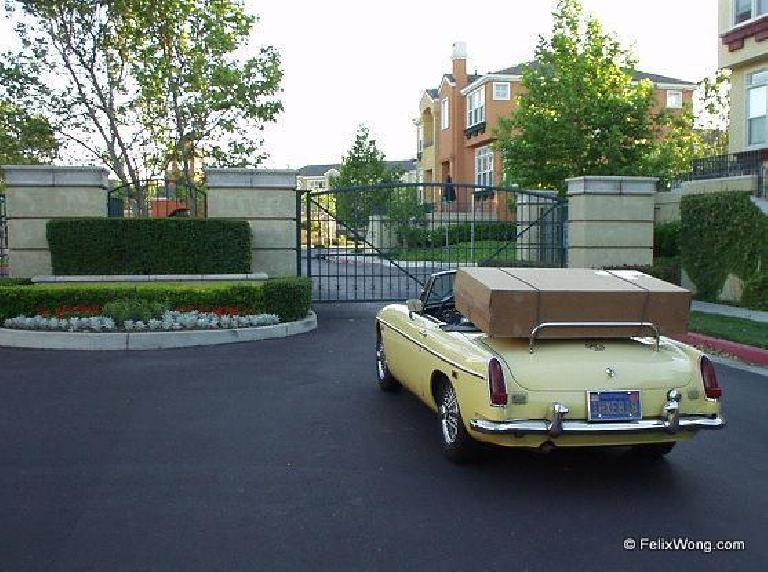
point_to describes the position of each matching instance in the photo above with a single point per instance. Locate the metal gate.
(4, 269)
(381, 242)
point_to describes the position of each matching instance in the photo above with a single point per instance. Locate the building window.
(757, 109)
(419, 139)
(745, 10)
(476, 106)
(674, 99)
(484, 166)
(501, 91)
(445, 118)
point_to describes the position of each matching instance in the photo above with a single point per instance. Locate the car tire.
(458, 446)
(654, 450)
(387, 381)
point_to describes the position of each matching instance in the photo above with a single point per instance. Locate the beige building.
(743, 28)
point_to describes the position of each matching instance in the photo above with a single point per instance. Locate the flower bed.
(170, 321)
(289, 298)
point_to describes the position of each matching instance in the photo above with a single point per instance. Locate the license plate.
(614, 405)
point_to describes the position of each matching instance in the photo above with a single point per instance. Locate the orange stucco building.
(457, 121)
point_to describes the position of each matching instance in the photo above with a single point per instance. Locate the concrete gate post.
(36, 194)
(267, 200)
(610, 221)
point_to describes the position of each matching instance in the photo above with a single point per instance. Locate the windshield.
(440, 289)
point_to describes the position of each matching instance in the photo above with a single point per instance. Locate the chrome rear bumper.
(546, 427)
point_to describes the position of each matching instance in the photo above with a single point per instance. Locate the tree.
(140, 86)
(187, 76)
(363, 165)
(581, 112)
(25, 138)
(713, 118)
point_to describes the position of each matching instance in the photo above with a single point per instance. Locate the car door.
(426, 331)
(421, 358)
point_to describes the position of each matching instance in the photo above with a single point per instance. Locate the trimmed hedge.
(149, 246)
(5, 282)
(415, 237)
(289, 298)
(667, 269)
(722, 233)
(756, 292)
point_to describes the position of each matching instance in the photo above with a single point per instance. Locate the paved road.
(282, 455)
(367, 277)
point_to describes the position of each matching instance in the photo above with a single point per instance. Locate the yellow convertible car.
(644, 392)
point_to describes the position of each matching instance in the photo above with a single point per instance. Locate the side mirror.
(414, 306)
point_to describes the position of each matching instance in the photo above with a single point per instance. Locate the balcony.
(474, 130)
(748, 170)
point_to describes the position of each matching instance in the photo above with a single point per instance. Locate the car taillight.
(496, 383)
(712, 389)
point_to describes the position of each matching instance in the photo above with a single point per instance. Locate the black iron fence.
(749, 163)
(382, 242)
(157, 198)
(4, 268)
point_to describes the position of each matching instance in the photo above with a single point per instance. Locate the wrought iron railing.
(157, 198)
(748, 163)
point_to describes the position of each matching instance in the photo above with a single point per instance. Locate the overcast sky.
(352, 62)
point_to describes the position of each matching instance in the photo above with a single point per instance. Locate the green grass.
(727, 328)
(460, 252)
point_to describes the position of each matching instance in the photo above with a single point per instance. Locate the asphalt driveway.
(283, 455)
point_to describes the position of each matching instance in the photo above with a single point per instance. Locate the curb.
(742, 351)
(122, 341)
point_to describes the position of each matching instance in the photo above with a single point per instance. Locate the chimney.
(459, 59)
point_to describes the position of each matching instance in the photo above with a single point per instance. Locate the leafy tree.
(714, 114)
(25, 138)
(143, 86)
(187, 76)
(581, 113)
(363, 165)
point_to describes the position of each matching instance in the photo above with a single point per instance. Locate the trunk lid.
(577, 365)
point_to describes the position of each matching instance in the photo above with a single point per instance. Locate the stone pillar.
(36, 194)
(267, 200)
(610, 221)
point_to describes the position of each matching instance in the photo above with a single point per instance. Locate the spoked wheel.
(458, 446)
(387, 381)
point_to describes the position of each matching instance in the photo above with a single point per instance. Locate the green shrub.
(149, 246)
(4, 282)
(666, 239)
(131, 309)
(722, 233)
(756, 292)
(667, 269)
(289, 298)
(417, 237)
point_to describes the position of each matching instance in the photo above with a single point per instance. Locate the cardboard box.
(510, 302)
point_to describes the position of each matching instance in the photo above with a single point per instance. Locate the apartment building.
(318, 177)
(457, 120)
(743, 27)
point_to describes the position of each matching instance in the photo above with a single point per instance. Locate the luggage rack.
(640, 325)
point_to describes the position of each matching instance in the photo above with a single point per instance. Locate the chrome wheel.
(449, 414)
(381, 361)
(386, 380)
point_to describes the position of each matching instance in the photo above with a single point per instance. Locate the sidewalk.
(731, 311)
